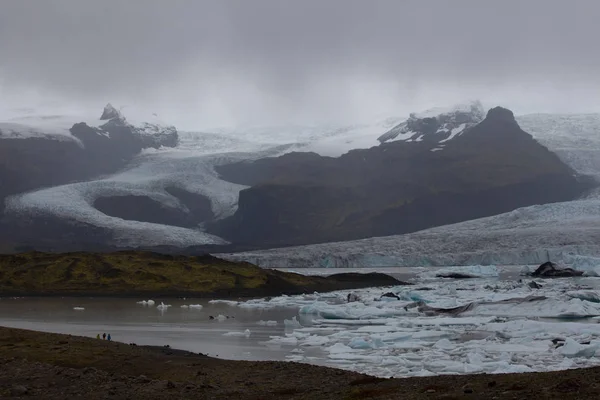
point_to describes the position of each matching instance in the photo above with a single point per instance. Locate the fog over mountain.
(203, 64)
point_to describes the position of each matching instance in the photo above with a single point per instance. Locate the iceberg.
(572, 349)
(504, 327)
(245, 334)
(587, 295)
(267, 323)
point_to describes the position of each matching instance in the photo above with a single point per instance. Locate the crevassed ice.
(387, 338)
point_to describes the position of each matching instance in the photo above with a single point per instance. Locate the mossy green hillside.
(136, 272)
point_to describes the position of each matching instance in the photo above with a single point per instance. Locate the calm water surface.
(188, 329)
(126, 321)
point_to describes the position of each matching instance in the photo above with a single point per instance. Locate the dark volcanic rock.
(196, 208)
(375, 278)
(144, 209)
(534, 285)
(552, 270)
(51, 233)
(199, 206)
(394, 188)
(390, 295)
(109, 148)
(455, 275)
(436, 128)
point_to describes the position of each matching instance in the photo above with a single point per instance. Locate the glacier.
(560, 232)
(148, 175)
(567, 232)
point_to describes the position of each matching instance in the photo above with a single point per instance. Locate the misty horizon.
(232, 63)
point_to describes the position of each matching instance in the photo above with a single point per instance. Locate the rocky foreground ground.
(53, 366)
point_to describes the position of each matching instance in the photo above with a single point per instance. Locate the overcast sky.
(207, 63)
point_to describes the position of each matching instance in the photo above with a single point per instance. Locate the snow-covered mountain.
(188, 166)
(437, 125)
(568, 231)
(152, 131)
(191, 164)
(326, 140)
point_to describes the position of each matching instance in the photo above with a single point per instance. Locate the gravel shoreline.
(54, 366)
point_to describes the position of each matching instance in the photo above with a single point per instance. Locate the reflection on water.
(192, 329)
(182, 328)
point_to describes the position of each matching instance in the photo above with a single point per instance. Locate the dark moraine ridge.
(196, 208)
(144, 209)
(136, 273)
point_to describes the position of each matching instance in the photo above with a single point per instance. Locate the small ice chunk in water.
(221, 317)
(366, 343)
(227, 302)
(192, 306)
(444, 344)
(267, 323)
(245, 333)
(163, 306)
(78, 308)
(292, 323)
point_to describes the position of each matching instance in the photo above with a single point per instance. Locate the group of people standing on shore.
(104, 337)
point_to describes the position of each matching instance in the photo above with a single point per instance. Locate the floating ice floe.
(589, 265)
(146, 302)
(245, 333)
(573, 349)
(587, 295)
(228, 302)
(78, 308)
(267, 323)
(163, 306)
(456, 327)
(292, 323)
(192, 306)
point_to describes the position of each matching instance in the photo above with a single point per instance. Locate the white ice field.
(556, 327)
(531, 235)
(567, 232)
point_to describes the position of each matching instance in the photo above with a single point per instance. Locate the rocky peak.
(436, 124)
(148, 134)
(110, 113)
(501, 114)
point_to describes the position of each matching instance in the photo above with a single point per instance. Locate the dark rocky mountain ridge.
(436, 126)
(36, 162)
(398, 187)
(428, 171)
